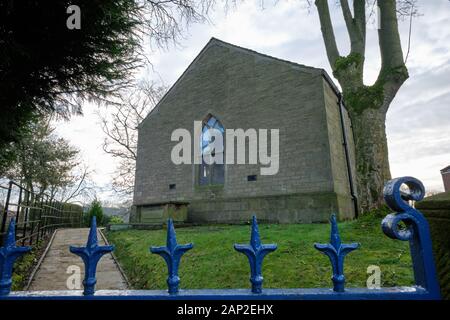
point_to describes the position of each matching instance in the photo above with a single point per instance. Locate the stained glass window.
(210, 173)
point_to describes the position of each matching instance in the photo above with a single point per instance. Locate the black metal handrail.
(36, 215)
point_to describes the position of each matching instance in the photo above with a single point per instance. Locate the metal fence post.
(5, 211)
(24, 223)
(19, 201)
(41, 226)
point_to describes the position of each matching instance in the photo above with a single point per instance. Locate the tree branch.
(355, 28)
(389, 37)
(359, 7)
(393, 71)
(78, 188)
(348, 18)
(120, 128)
(327, 32)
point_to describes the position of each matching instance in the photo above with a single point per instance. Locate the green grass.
(213, 263)
(25, 264)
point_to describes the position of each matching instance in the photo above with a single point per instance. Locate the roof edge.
(214, 40)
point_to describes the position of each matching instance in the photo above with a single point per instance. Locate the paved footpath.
(52, 273)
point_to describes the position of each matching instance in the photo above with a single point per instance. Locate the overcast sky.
(418, 121)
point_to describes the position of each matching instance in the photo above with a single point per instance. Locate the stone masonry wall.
(245, 90)
(337, 153)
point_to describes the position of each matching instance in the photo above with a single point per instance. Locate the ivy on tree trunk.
(367, 105)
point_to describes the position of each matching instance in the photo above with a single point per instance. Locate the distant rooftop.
(446, 170)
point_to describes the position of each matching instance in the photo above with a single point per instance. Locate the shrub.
(116, 220)
(97, 211)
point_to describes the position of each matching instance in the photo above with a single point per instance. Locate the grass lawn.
(25, 264)
(213, 263)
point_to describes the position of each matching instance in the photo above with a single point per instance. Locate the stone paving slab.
(52, 273)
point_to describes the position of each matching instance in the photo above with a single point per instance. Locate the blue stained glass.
(211, 122)
(206, 137)
(219, 127)
(214, 173)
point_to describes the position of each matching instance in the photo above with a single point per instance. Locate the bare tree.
(368, 105)
(165, 20)
(120, 127)
(79, 186)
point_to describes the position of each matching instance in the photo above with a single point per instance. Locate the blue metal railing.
(416, 232)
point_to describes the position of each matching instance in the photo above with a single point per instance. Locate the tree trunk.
(372, 163)
(367, 105)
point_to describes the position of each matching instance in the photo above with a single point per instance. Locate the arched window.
(211, 173)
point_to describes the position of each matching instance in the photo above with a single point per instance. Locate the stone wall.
(437, 211)
(337, 155)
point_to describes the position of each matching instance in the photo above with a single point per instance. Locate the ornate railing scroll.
(416, 231)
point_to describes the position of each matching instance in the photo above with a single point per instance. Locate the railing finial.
(172, 254)
(8, 255)
(255, 253)
(336, 252)
(91, 254)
